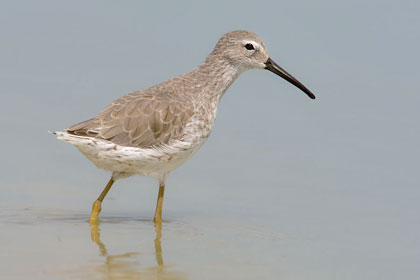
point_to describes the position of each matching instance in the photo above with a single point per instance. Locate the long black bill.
(273, 67)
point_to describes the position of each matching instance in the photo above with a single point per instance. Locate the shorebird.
(153, 131)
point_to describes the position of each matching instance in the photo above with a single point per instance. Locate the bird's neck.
(214, 77)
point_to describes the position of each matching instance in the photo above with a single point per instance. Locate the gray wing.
(139, 120)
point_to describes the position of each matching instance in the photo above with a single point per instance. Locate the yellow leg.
(159, 203)
(96, 208)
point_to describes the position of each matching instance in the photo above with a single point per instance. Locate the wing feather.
(140, 120)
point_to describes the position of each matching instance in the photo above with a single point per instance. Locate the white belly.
(155, 162)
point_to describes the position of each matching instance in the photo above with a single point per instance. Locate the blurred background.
(285, 186)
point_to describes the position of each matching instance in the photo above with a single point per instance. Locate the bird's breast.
(201, 123)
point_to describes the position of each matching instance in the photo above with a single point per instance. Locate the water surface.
(285, 188)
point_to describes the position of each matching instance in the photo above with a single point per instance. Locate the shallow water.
(285, 188)
(279, 232)
(52, 244)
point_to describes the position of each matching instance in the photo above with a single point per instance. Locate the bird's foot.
(157, 220)
(96, 209)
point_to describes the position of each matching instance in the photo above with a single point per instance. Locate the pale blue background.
(337, 178)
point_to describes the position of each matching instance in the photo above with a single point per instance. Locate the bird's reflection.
(127, 265)
(158, 245)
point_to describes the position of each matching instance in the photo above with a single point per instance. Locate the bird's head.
(245, 50)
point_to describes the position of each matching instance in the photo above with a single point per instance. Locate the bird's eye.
(249, 46)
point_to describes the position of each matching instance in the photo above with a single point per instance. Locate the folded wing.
(139, 120)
